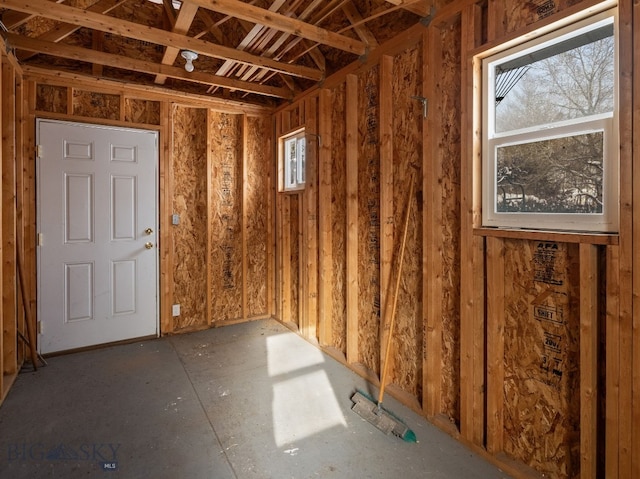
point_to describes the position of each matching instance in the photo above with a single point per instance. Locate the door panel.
(123, 211)
(97, 190)
(78, 208)
(78, 291)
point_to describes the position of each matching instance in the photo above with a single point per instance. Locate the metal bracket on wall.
(425, 104)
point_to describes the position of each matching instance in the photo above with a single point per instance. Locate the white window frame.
(608, 220)
(292, 160)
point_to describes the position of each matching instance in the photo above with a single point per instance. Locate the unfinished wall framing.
(524, 344)
(219, 184)
(546, 304)
(476, 350)
(363, 173)
(15, 212)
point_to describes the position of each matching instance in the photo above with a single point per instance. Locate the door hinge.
(40, 239)
(39, 327)
(39, 151)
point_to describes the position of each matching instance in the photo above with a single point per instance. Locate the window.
(292, 155)
(550, 137)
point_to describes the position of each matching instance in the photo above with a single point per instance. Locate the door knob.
(148, 231)
(148, 245)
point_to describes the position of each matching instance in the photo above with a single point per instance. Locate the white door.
(97, 225)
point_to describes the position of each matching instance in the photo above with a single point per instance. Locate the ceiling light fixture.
(189, 56)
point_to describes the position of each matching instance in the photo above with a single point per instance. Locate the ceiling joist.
(419, 7)
(181, 25)
(262, 50)
(63, 30)
(137, 31)
(117, 61)
(260, 16)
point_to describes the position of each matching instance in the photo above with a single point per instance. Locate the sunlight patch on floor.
(304, 403)
(304, 406)
(286, 353)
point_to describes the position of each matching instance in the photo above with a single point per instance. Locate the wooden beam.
(395, 46)
(419, 7)
(272, 187)
(29, 237)
(286, 284)
(353, 15)
(495, 345)
(612, 361)
(118, 61)
(353, 351)
(97, 40)
(57, 77)
(4, 321)
(60, 32)
(387, 220)
(315, 54)
(629, 259)
(245, 214)
(589, 356)
(472, 251)
(210, 230)
(283, 23)
(352, 26)
(181, 25)
(310, 214)
(12, 19)
(472, 254)
(137, 31)
(22, 209)
(169, 11)
(325, 260)
(432, 187)
(165, 185)
(249, 37)
(9, 297)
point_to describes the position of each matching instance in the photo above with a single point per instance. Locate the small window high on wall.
(550, 135)
(292, 152)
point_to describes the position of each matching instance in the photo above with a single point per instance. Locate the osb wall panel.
(258, 173)
(142, 111)
(52, 99)
(541, 356)
(225, 260)
(515, 14)
(407, 148)
(450, 154)
(338, 220)
(96, 105)
(369, 219)
(190, 202)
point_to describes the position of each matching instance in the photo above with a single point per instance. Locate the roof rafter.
(137, 31)
(62, 31)
(249, 37)
(182, 22)
(419, 7)
(363, 32)
(317, 57)
(284, 23)
(117, 61)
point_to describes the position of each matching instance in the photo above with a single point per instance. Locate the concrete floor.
(252, 400)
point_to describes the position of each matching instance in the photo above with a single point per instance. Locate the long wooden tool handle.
(27, 310)
(383, 379)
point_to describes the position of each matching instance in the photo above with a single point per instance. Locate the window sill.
(292, 191)
(608, 239)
